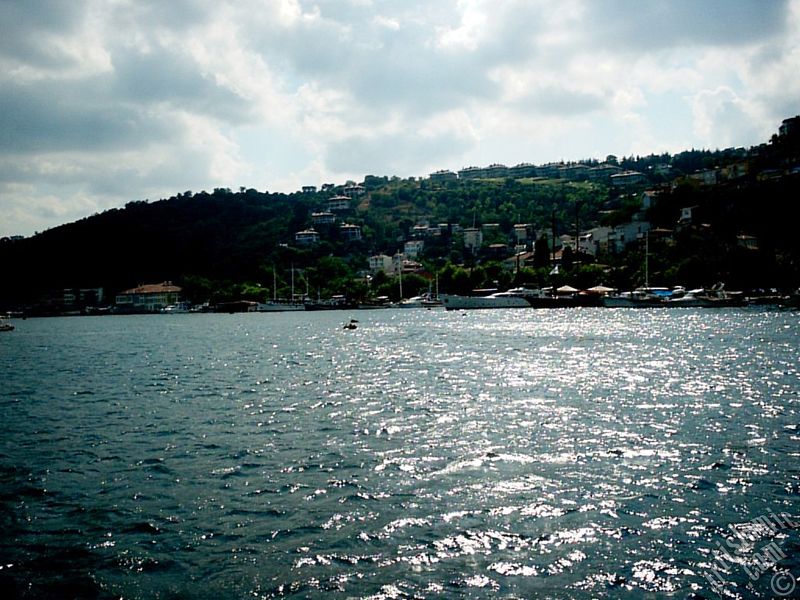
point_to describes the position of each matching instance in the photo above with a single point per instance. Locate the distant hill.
(743, 229)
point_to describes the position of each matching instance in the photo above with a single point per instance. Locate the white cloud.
(102, 103)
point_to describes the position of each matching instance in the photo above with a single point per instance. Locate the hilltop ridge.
(464, 226)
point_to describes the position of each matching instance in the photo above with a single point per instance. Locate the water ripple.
(561, 453)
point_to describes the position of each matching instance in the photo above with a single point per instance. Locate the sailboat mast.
(274, 284)
(646, 260)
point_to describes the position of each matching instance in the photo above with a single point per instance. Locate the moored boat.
(279, 306)
(5, 325)
(333, 303)
(639, 298)
(426, 300)
(513, 298)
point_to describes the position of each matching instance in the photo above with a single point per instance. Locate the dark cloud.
(659, 24)
(30, 26)
(166, 76)
(50, 117)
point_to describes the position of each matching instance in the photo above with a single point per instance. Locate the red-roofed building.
(151, 297)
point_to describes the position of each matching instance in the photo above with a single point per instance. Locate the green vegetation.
(227, 245)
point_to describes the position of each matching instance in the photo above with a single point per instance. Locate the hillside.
(227, 244)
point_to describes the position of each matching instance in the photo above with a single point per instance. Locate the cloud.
(397, 152)
(659, 24)
(102, 103)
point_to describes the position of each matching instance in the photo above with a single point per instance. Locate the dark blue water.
(583, 453)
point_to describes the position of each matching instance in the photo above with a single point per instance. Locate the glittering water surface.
(582, 453)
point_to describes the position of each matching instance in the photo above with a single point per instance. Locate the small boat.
(334, 303)
(716, 297)
(5, 325)
(279, 306)
(353, 324)
(174, 309)
(645, 297)
(426, 300)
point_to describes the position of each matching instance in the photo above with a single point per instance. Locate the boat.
(179, 308)
(379, 302)
(716, 297)
(678, 297)
(279, 304)
(5, 325)
(426, 300)
(333, 303)
(643, 297)
(513, 298)
(565, 301)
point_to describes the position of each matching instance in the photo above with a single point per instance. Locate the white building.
(627, 178)
(338, 203)
(306, 237)
(148, 298)
(522, 233)
(626, 233)
(473, 238)
(380, 262)
(413, 248)
(350, 233)
(595, 240)
(443, 175)
(323, 218)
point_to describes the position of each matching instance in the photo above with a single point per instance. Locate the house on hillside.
(323, 218)
(413, 248)
(350, 233)
(473, 238)
(338, 204)
(442, 176)
(380, 262)
(307, 237)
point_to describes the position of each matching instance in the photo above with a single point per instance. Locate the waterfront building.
(149, 297)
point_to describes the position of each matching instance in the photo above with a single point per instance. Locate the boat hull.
(455, 302)
(278, 307)
(617, 302)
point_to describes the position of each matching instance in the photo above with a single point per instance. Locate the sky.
(103, 102)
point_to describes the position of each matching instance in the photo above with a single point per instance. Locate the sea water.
(571, 453)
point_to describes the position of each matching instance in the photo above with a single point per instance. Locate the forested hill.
(240, 236)
(229, 240)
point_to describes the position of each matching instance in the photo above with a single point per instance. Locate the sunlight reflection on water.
(586, 452)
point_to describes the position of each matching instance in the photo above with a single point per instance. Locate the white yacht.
(513, 298)
(426, 300)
